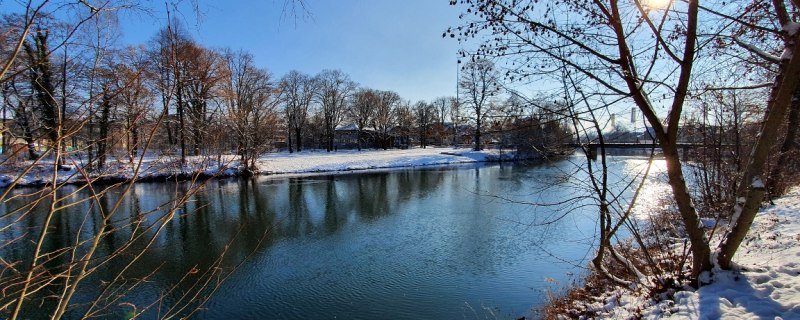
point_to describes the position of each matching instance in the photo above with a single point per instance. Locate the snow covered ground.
(321, 161)
(765, 286)
(273, 163)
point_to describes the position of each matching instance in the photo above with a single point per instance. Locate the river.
(431, 243)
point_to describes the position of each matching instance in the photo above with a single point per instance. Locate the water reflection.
(399, 244)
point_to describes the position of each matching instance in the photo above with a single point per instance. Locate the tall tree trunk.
(4, 133)
(700, 249)
(102, 143)
(63, 113)
(181, 123)
(668, 135)
(128, 140)
(478, 134)
(329, 135)
(90, 137)
(42, 84)
(298, 138)
(134, 141)
(789, 144)
(167, 122)
(289, 140)
(197, 139)
(751, 188)
(358, 139)
(27, 134)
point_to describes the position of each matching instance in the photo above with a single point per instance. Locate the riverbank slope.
(765, 285)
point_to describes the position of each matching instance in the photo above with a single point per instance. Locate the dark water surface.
(436, 243)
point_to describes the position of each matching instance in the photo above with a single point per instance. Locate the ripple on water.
(400, 244)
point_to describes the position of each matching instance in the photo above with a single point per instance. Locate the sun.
(657, 4)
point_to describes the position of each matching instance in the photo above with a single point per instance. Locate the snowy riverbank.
(314, 161)
(765, 286)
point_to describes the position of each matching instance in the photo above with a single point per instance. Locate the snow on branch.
(757, 51)
(791, 28)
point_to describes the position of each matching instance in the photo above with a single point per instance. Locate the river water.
(433, 243)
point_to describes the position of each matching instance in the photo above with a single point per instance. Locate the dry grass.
(568, 305)
(673, 265)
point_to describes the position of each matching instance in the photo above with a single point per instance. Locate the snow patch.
(791, 28)
(787, 54)
(708, 223)
(348, 160)
(757, 183)
(765, 284)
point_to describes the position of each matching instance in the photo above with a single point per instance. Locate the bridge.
(683, 146)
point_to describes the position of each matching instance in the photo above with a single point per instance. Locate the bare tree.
(32, 18)
(335, 88)
(425, 116)
(638, 53)
(42, 82)
(107, 106)
(405, 117)
(202, 78)
(135, 96)
(752, 189)
(534, 36)
(20, 104)
(251, 102)
(172, 50)
(479, 84)
(160, 52)
(442, 109)
(298, 92)
(362, 110)
(384, 117)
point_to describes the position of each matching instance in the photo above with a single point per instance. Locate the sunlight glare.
(657, 4)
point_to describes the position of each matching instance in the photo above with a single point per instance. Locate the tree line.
(191, 100)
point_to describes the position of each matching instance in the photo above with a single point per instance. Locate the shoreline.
(764, 283)
(278, 164)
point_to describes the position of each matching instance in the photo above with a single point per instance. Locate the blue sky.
(389, 45)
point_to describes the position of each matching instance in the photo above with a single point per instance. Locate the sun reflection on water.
(654, 195)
